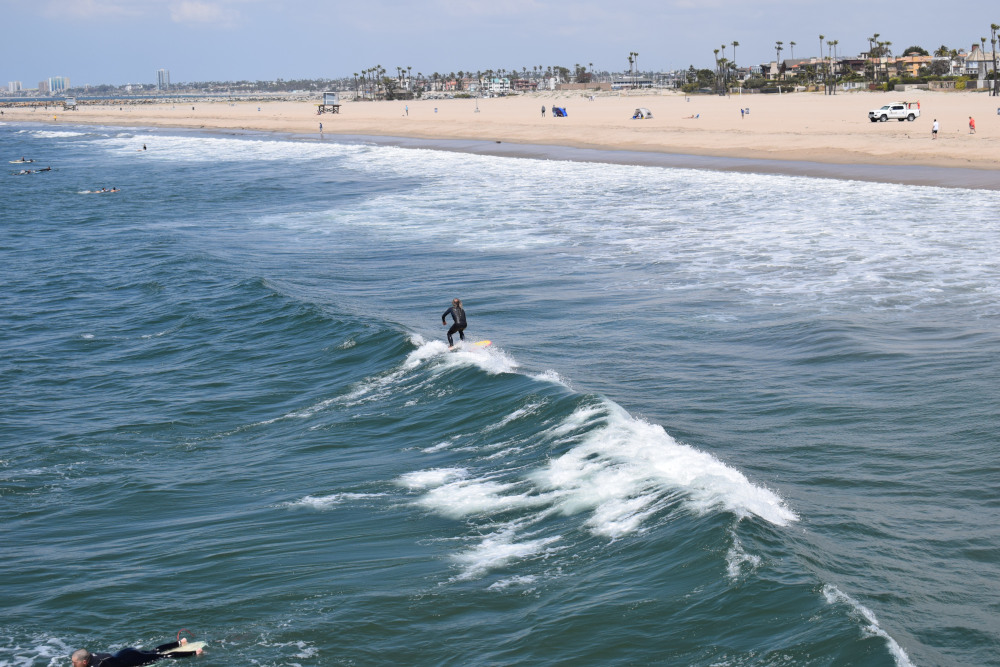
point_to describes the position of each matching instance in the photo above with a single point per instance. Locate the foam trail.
(327, 502)
(834, 595)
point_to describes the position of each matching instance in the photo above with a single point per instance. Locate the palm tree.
(820, 57)
(833, 63)
(735, 44)
(718, 71)
(791, 46)
(829, 58)
(982, 51)
(887, 53)
(777, 56)
(871, 55)
(993, 42)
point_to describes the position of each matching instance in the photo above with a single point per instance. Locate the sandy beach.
(809, 127)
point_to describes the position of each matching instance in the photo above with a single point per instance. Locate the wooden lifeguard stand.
(331, 104)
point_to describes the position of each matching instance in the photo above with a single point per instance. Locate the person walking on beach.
(934, 129)
(543, 111)
(972, 125)
(458, 317)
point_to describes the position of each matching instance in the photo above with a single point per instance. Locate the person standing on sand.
(934, 129)
(972, 125)
(543, 111)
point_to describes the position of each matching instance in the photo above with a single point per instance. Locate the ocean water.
(726, 420)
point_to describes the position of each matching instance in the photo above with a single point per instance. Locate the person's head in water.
(80, 657)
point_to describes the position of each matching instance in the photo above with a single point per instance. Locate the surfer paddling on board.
(131, 657)
(458, 317)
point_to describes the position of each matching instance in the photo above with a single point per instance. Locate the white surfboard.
(190, 646)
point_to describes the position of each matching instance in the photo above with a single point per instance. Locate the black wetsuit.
(458, 316)
(132, 657)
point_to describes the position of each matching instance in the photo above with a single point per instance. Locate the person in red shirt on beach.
(972, 125)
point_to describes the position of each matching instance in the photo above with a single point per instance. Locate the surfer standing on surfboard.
(131, 657)
(458, 316)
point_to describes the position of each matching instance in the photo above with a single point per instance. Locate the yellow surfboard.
(481, 343)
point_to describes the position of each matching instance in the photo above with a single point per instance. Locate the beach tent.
(559, 112)
(642, 112)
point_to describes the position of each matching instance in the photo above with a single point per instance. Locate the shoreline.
(803, 134)
(931, 176)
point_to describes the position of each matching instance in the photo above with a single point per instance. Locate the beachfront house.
(495, 85)
(525, 85)
(911, 65)
(978, 63)
(627, 81)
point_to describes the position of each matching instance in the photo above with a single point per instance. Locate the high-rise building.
(13, 86)
(43, 87)
(58, 84)
(162, 79)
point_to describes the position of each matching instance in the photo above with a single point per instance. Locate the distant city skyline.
(129, 41)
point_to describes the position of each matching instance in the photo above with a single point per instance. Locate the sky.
(127, 41)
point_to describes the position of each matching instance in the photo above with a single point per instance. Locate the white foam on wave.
(190, 148)
(738, 560)
(628, 460)
(529, 409)
(469, 497)
(56, 134)
(935, 251)
(834, 595)
(498, 550)
(520, 581)
(617, 470)
(490, 359)
(552, 377)
(428, 479)
(330, 501)
(50, 651)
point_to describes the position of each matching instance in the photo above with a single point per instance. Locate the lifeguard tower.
(331, 104)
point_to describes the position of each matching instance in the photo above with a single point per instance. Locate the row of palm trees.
(878, 56)
(372, 83)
